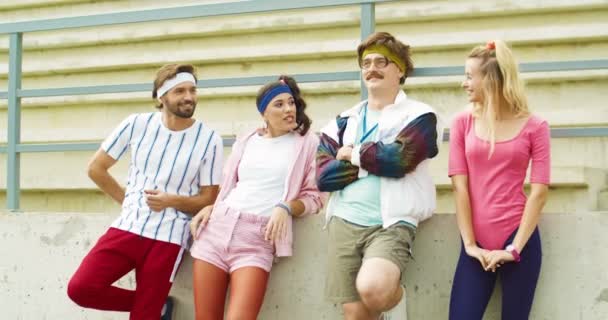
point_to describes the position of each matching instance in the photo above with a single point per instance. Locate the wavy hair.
(302, 118)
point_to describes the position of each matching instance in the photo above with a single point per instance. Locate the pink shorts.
(233, 240)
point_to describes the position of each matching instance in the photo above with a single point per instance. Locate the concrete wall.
(41, 250)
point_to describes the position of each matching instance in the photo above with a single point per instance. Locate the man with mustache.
(174, 171)
(374, 160)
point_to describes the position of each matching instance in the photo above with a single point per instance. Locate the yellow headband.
(385, 51)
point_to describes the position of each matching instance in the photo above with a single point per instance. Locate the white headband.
(179, 78)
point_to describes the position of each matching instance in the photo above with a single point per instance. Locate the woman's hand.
(200, 219)
(477, 253)
(496, 258)
(276, 229)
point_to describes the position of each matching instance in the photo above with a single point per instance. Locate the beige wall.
(40, 251)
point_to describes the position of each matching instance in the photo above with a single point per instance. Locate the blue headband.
(270, 94)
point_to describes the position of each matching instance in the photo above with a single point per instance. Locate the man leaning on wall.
(174, 171)
(373, 158)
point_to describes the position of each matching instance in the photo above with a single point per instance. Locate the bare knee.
(378, 284)
(357, 311)
(241, 315)
(374, 295)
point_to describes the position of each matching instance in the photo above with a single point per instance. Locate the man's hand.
(158, 200)
(344, 153)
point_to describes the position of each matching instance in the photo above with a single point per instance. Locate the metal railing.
(15, 93)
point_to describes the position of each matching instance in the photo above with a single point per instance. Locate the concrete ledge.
(244, 49)
(65, 178)
(536, 80)
(22, 4)
(294, 20)
(41, 251)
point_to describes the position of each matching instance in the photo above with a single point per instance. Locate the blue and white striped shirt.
(176, 162)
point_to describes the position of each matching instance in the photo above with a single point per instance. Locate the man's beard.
(183, 114)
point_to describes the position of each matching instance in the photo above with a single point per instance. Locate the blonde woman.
(491, 147)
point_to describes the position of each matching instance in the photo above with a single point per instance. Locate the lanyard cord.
(365, 132)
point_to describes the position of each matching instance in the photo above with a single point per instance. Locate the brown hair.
(167, 72)
(302, 118)
(397, 47)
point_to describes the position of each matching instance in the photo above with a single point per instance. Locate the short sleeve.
(457, 163)
(212, 162)
(118, 141)
(540, 145)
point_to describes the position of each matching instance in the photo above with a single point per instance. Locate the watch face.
(511, 249)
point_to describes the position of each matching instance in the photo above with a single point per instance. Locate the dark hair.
(167, 72)
(302, 119)
(395, 46)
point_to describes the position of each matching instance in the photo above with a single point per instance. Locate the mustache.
(187, 102)
(374, 74)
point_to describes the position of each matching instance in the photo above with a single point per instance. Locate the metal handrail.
(15, 30)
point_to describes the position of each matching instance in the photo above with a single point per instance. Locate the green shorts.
(350, 244)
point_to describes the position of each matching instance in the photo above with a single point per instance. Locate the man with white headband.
(373, 158)
(175, 169)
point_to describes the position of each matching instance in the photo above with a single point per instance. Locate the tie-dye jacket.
(408, 137)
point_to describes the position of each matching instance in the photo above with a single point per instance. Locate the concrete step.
(69, 171)
(386, 13)
(230, 110)
(333, 33)
(572, 190)
(69, 168)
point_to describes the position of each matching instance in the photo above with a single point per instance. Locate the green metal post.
(368, 23)
(14, 121)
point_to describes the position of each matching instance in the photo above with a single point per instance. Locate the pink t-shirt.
(496, 185)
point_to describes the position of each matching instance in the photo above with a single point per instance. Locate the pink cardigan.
(301, 183)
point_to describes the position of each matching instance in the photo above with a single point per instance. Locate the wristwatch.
(511, 249)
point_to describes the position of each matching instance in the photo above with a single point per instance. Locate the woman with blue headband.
(269, 178)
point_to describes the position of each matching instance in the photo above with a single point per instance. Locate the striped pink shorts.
(233, 240)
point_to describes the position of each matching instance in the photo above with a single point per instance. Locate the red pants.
(116, 253)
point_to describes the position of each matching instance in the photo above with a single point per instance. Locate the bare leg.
(210, 285)
(247, 290)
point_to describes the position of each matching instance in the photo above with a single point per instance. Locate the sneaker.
(167, 312)
(398, 312)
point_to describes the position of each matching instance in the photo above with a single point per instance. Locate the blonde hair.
(501, 86)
